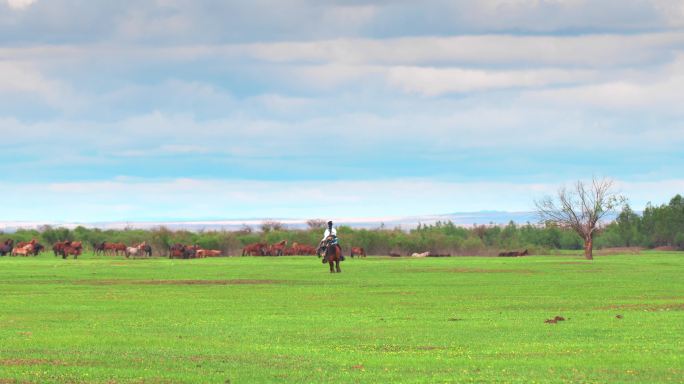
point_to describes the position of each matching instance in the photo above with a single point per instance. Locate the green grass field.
(255, 320)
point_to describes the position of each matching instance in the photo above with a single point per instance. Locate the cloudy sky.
(189, 109)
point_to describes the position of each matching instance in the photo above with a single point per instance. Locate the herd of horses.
(34, 248)
(280, 248)
(180, 251)
(333, 254)
(116, 249)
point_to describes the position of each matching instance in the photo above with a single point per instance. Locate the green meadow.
(384, 320)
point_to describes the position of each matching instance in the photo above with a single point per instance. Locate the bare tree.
(316, 223)
(271, 225)
(245, 229)
(581, 209)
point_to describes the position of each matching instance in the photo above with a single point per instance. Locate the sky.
(203, 109)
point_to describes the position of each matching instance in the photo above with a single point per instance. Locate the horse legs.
(332, 268)
(337, 265)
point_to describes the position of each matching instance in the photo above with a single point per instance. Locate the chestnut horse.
(358, 251)
(333, 255)
(74, 248)
(256, 249)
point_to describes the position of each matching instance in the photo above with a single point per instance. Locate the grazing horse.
(300, 249)
(119, 248)
(358, 251)
(190, 252)
(66, 248)
(114, 248)
(514, 253)
(278, 248)
(147, 250)
(24, 250)
(6, 247)
(256, 249)
(38, 248)
(132, 251)
(99, 248)
(139, 249)
(25, 243)
(202, 253)
(58, 248)
(424, 254)
(72, 248)
(176, 251)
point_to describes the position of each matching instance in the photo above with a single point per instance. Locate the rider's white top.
(328, 233)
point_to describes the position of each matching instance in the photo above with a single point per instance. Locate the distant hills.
(465, 219)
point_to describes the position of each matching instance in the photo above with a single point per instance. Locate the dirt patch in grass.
(406, 348)
(618, 251)
(480, 270)
(399, 293)
(554, 320)
(180, 282)
(646, 307)
(428, 348)
(471, 270)
(22, 362)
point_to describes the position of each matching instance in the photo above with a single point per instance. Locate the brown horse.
(74, 248)
(6, 247)
(256, 249)
(333, 256)
(514, 253)
(23, 250)
(278, 249)
(176, 251)
(358, 251)
(113, 248)
(210, 252)
(301, 249)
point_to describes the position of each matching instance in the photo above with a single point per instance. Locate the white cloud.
(437, 81)
(348, 16)
(22, 77)
(22, 82)
(596, 50)
(655, 90)
(586, 50)
(20, 4)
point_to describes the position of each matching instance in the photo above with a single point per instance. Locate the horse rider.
(330, 239)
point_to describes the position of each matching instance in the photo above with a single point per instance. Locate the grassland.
(254, 320)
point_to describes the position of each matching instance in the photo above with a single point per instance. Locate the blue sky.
(187, 109)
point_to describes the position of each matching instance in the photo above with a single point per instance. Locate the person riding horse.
(329, 239)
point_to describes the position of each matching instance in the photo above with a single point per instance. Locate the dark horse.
(6, 247)
(333, 255)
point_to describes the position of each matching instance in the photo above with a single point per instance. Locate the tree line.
(657, 226)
